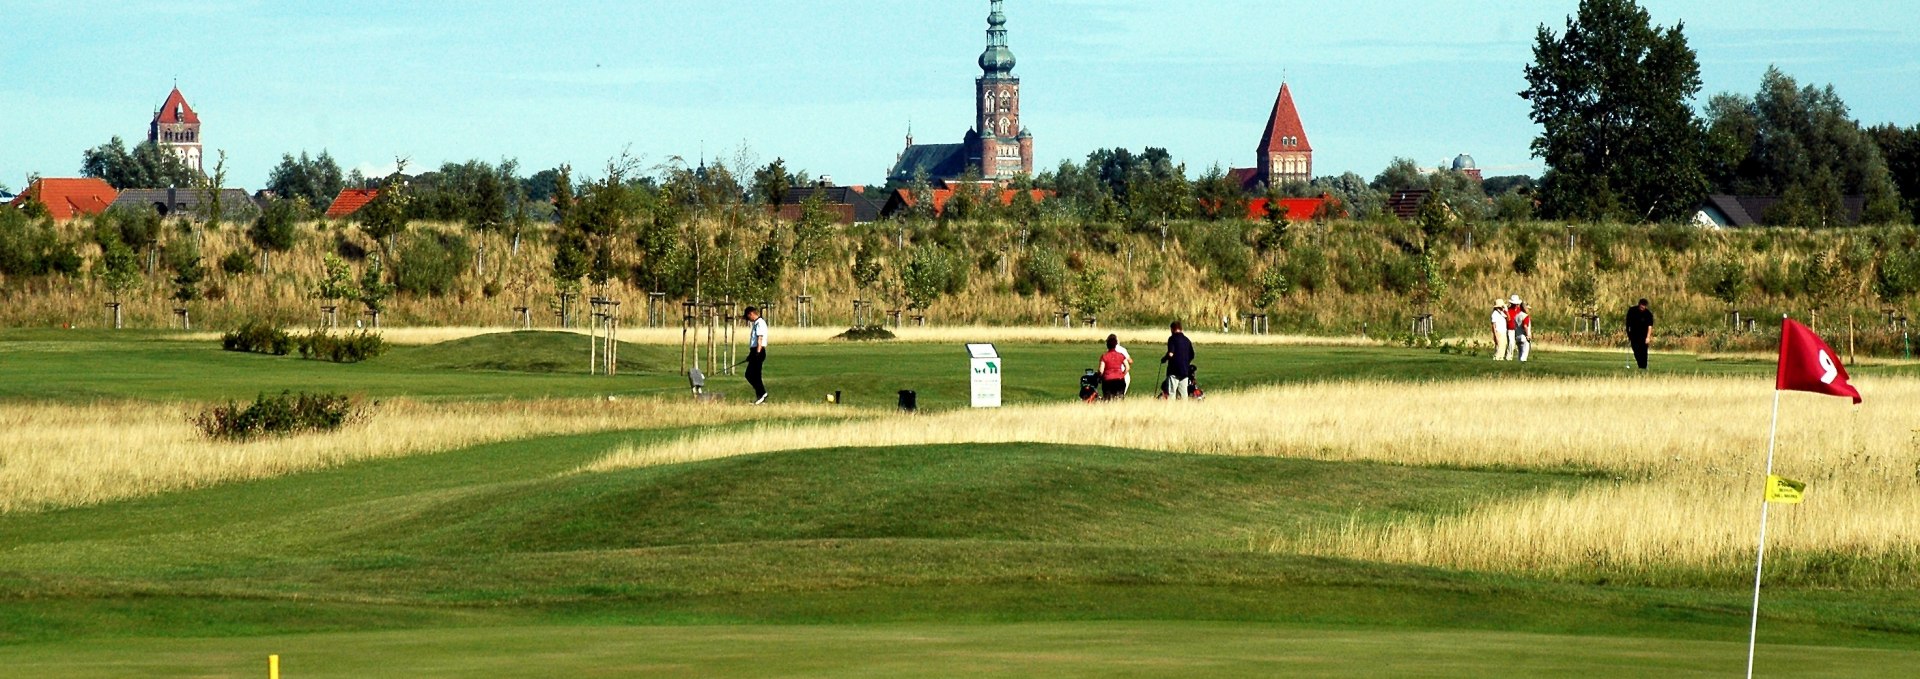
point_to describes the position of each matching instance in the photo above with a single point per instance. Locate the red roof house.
(903, 199)
(350, 201)
(69, 198)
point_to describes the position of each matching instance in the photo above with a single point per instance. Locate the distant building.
(69, 198)
(999, 147)
(1405, 204)
(849, 204)
(176, 128)
(1463, 164)
(1723, 211)
(1285, 156)
(903, 199)
(235, 204)
(350, 201)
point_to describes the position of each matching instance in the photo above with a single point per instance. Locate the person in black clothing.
(1640, 331)
(1179, 360)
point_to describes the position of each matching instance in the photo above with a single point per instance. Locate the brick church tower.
(999, 146)
(176, 128)
(1285, 155)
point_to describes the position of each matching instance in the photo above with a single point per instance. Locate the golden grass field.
(54, 455)
(1682, 460)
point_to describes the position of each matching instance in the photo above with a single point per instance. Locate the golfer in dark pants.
(756, 353)
(1640, 331)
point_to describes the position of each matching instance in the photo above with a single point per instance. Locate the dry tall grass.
(1684, 455)
(63, 455)
(1150, 284)
(933, 334)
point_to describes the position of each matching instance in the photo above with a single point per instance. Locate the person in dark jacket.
(1640, 331)
(1179, 360)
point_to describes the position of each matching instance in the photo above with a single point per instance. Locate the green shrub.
(1678, 238)
(1401, 274)
(430, 263)
(236, 263)
(1355, 275)
(1306, 267)
(1528, 261)
(258, 337)
(281, 415)
(348, 348)
(1221, 249)
(1040, 272)
(871, 333)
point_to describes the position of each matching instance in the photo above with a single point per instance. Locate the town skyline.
(1373, 82)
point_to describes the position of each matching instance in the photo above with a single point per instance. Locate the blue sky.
(831, 86)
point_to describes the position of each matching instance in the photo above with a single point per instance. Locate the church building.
(998, 147)
(176, 128)
(1284, 156)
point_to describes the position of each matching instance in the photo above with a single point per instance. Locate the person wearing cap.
(756, 353)
(1513, 313)
(1499, 329)
(1523, 333)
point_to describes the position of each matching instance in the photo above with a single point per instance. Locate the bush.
(236, 263)
(429, 263)
(871, 333)
(1040, 272)
(1306, 267)
(349, 348)
(1221, 249)
(281, 415)
(1528, 261)
(1678, 238)
(258, 337)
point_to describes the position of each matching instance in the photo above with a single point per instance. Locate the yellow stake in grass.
(273, 667)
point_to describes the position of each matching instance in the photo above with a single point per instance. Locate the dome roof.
(997, 60)
(1463, 162)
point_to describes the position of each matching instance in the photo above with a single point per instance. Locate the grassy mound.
(1017, 493)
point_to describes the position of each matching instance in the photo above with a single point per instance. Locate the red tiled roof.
(1247, 178)
(941, 196)
(350, 201)
(69, 198)
(1298, 209)
(176, 102)
(1285, 123)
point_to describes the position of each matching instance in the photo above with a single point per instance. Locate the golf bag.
(1090, 386)
(1193, 385)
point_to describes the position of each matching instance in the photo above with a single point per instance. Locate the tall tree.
(770, 183)
(146, 166)
(315, 180)
(1901, 146)
(275, 229)
(1613, 95)
(1799, 143)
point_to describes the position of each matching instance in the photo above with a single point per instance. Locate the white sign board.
(985, 364)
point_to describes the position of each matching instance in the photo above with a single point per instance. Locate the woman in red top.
(1113, 371)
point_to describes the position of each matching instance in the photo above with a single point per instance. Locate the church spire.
(998, 59)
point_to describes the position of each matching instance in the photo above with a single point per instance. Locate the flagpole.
(1753, 632)
(1760, 558)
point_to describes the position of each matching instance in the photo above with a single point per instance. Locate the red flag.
(1808, 364)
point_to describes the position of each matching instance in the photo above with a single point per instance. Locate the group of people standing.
(1512, 330)
(1116, 367)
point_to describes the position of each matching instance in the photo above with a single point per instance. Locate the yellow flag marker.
(1782, 490)
(273, 667)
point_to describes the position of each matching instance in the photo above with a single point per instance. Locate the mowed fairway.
(1277, 530)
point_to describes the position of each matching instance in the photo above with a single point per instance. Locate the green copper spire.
(997, 60)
